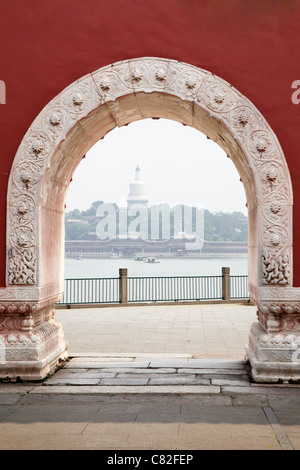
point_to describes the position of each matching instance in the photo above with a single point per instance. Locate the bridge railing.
(124, 289)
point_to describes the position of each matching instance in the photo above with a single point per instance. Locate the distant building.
(137, 195)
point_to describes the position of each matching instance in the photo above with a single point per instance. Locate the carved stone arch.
(81, 115)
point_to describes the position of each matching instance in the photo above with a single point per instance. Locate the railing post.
(123, 297)
(226, 283)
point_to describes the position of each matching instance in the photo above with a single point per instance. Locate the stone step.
(162, 370)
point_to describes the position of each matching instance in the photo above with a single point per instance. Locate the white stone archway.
(31, 340)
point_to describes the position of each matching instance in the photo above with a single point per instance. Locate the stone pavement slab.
(127, 389)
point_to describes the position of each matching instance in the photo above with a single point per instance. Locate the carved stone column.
(274, 341)
(31, 341)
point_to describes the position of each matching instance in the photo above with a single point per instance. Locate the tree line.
(219, 226)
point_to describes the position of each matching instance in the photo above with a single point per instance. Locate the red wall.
(46, 45)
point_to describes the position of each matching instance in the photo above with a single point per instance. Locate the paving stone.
(229, 381)
(207, 371)
(145, 370)
(279, 389)
(215, 364)
(98, 365)
(149, 375)
(19, 388)
(72, 381)
(173, 364)
(125, 381)
(290, 418)
(115, 389)
(7, 410)
(178, 380)
(214, 400)
(281, 401)
(9, 398)
(243, 378)
(294, 440)
(217, 437)
(62, 441)
(82, 373)
(214, 417)
(154, 441)
(245, 390)
(106, 358)
(247, 399)
(66, 395)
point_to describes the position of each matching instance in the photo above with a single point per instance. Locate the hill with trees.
(219, 226)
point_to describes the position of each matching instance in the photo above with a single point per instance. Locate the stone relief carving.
(218, 96)
(288, 340)
(276, 270)
(26, 323)
(21, 266)
(258, 143)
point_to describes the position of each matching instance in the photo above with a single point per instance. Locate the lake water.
(109, 267)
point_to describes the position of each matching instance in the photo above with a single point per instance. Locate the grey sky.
(178, 164)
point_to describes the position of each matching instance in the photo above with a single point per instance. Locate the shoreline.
(159, 255)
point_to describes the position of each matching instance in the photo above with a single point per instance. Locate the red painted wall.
(46, 45)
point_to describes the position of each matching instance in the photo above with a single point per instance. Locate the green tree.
(76, 231)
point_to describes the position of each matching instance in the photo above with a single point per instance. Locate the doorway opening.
(177, 166)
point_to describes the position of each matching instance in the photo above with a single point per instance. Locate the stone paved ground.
(107, 397)
(203, 330)
(134, 422)
(154, 403)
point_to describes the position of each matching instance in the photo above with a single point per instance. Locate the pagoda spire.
(137, 173)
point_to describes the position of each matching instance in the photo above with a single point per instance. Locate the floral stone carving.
(148, 75)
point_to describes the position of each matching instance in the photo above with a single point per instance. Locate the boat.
(139, 258)
(115, 255)
(152, 260)
(79, 258)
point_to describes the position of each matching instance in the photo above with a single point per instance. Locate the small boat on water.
(152, 260)
(79, 258)
(115, 255)
(139, 258)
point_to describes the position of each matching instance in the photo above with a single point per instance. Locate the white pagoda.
(137, 195)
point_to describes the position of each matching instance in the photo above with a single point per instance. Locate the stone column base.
(32, 370)
(273, 357)
(31, 343)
